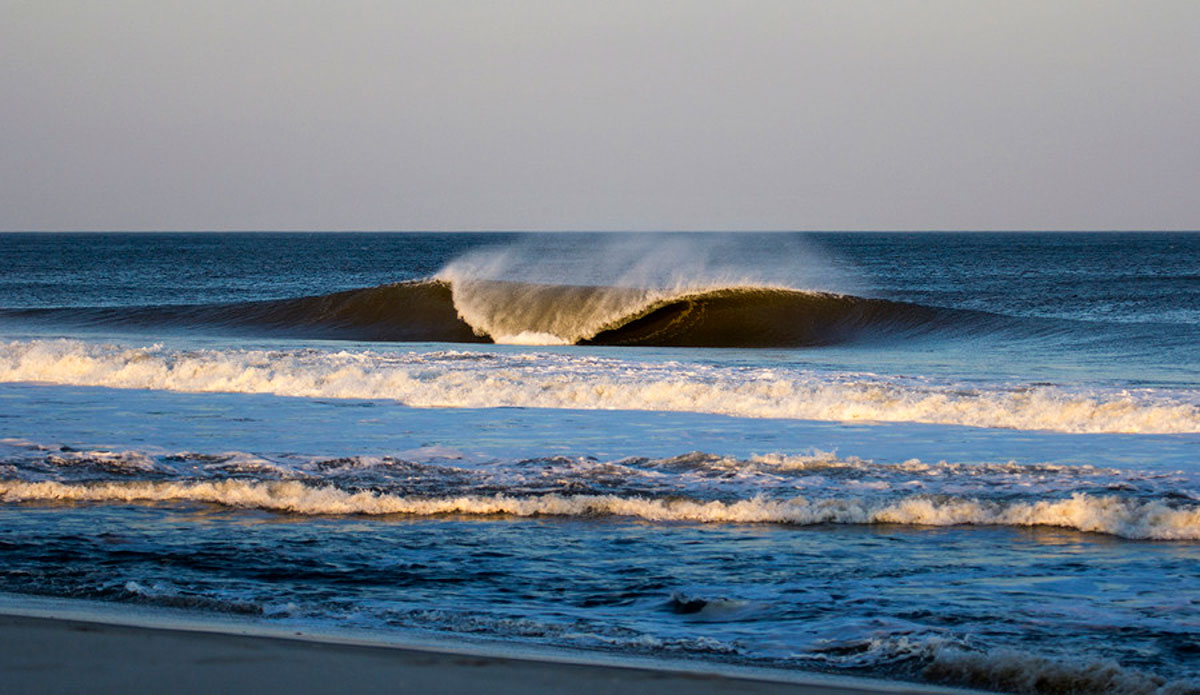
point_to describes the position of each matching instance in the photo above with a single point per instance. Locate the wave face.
(723, 316)
(465, 310)
(544, 380)
(766, 317)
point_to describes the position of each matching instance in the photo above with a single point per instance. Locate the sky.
(568, 115)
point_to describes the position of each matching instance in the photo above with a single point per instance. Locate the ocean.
(965, 459)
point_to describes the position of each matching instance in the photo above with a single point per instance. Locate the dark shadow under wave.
(425, 311)
(763, 317)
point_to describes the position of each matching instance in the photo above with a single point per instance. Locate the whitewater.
(485, 379)
(966, 459)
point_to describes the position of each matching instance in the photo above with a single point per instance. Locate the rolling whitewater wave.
(1133, 519)
(470, 310)
(576, 381)
(800, 490)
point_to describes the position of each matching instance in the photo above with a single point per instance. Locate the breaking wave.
(471, 310)
(543, 380)
(722, 316)
(1111, 515)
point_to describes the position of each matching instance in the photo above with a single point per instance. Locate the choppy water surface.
(967, 459)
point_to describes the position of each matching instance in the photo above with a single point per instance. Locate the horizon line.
(604, 231)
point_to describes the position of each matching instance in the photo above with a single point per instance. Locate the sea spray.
(568, 289)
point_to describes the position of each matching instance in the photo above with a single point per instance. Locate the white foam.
(530, 338)
(449, 472)
(544, 380)
(1101, 514)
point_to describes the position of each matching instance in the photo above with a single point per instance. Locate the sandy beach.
(41, 654)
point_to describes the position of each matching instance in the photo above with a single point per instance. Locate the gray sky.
(600, 115)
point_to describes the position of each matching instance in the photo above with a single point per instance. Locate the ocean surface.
(967, 459)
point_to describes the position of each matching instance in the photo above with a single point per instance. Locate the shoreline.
(62, 646)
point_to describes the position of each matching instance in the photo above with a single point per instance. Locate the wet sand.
(72, 655)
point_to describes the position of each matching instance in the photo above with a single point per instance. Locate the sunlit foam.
(1100, 514)
(544, 380)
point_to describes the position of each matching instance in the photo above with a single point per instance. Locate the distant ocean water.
(957, 458)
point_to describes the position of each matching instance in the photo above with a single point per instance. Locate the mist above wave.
(564, 290)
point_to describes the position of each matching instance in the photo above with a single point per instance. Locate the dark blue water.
(970, 458)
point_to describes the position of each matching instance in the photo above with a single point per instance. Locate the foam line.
(539, 380)
(1126, 518)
